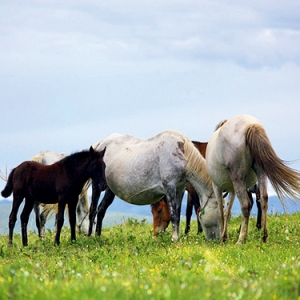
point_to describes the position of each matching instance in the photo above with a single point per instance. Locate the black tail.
(9, 186)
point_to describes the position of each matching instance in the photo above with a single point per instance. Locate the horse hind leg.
(263, 199)
(17, 200)
(60, 220)
(36, 208)
(105, 203)
(245, 203)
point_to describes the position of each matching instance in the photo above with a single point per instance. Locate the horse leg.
(227, 213)
(189, 211)
(219, 195)
(196, 204)
(60, 221)
(263, 194)
(241, 192)
(36, 208)
(72, 217)
(259, 210)
(17, 200)
(96, 191)
(105, 203)
(174, 203)
(43, 220)
(29, 203)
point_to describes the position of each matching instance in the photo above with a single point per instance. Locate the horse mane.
(196, 163)
(220, 124)
(73, 160)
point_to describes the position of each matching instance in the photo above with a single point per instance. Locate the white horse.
(143, 171)
(238, 155)
(48, 157)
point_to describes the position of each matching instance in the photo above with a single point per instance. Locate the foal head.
(161, 216)
(97, 168)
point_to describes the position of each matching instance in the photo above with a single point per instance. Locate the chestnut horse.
(160, 210)
(238, 155)
(61, 183)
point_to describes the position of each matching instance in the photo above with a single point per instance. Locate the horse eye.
(159, 211)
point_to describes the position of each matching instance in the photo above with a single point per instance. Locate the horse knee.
(246, 209)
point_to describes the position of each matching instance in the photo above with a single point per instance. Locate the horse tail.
(285, 180)
(9, 185)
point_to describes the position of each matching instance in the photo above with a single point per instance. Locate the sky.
(74, 72)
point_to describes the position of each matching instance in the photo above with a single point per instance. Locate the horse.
(160, 211)
(161, 214)
(48, 157)
(143, 171)
(59, 183)
(238, 155)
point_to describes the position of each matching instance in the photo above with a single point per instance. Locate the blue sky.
(73, 72)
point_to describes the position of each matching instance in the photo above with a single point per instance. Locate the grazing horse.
(161, 214)
(143, 171)
(59, 183)
(48, 157)
(238, 155)
(160, 211)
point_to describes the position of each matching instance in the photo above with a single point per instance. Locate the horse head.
(161, 216)
(97, 170)
(209, 219)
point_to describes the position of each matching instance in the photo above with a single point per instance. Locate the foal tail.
(9, 186)
(285, 181)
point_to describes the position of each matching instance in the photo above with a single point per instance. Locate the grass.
(128, 262)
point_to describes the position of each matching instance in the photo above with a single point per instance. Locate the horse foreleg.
(196, 204)
(189, 211)
(13, 217)
(96, 191)
(72, 217)
(105, 203)
(60, 221)
(24, 219)
(219, 196)
(174, 203)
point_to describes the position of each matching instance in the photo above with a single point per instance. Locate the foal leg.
(29, 202)
(36, 208)
(105, 203)
(60, 221)
(72, 217)
(17, 200)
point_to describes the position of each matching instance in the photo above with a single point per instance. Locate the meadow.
(128, 262)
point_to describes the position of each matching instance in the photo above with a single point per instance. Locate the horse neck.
(203, 189)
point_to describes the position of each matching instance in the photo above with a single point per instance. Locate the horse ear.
(102, 152)
(92, 151)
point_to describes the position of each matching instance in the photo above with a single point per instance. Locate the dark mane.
(73, 160)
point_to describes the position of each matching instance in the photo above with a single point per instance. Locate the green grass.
(128, 262)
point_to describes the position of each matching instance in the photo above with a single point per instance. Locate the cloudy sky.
(73, 72)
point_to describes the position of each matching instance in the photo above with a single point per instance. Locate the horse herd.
(237, 160)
